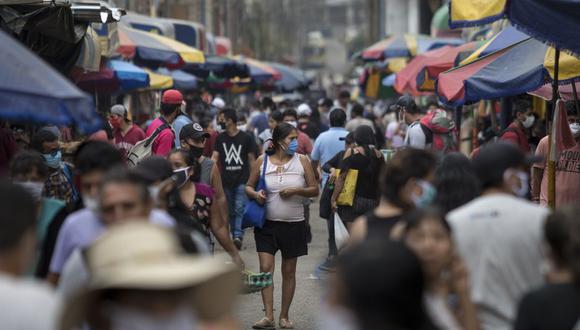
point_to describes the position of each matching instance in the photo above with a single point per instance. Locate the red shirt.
(210, 143)
(125, 143)
(164, 142)
(516, 135)
(304, 144)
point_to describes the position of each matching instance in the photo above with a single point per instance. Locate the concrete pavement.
(309, 283)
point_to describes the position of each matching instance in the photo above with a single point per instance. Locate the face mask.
(125, 318)
(180, 176)
(242, 127)
(222, 125)
(575, 128)
(291, 149)
(428, 193)
(154, 193)
(91, 203)
(196, 152)
(523, 188)
(293, 123)
(53, 161)
(33, 188)
(529, 121)
(115, 122)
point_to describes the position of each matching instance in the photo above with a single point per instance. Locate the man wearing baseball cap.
(499, 235)
(126, 133)
(170, 108)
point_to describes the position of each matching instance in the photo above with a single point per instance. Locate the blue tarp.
(129, 75)
(181, 79)
(32, 91)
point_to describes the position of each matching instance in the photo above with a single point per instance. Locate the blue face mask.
(53, 160)
(291, 149)
(428, 193)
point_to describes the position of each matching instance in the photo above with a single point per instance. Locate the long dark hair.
(281, 131)
(384, 285)
(456, 182)
(562, 232)
(406, 164)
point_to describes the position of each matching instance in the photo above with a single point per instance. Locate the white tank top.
(289, 175)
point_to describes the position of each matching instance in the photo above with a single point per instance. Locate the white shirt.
(27, 305)
(415, 137)
(278, 178)
(499, 237)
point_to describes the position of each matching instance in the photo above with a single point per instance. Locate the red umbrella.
(418, 77)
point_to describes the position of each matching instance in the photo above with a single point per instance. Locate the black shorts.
(291, 238)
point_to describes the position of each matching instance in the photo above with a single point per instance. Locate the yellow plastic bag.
(346, 196)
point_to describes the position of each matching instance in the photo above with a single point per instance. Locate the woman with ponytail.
(289, 178)
(556, 306)
(367, 160)
(406, 184)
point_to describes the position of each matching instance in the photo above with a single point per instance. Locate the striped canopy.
(156, 50)
(519, 68)
(404, 46)
(554, 21)
(418, 77)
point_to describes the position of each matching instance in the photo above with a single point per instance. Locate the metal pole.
(552, 160)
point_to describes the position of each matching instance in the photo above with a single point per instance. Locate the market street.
(309, 287)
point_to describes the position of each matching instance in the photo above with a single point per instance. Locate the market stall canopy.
(554, 21)
(519, 68)
(503, 39)
(404, 46)
(154, 50)
(181, 80)
(291, 79)
(219, 67)
(440, 24)
(260, 72)
(33, 92)
(115, 76)
(566, 92)
(418, 77)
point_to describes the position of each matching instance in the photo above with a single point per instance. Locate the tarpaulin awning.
(291, 79)
(114, 76)
(219, 67)
(150, 48)
(260, 72)
(418, 77)
(181, 79)
(32, 91)
(404, 46)
(554, 21)
(519, 68)
(503, 39)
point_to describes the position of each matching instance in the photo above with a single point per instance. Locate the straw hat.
(142, 256)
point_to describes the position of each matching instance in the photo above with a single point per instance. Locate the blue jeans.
(237, 199)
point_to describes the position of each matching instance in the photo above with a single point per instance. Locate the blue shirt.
(327, 145)
(179, 122)
(260, 122)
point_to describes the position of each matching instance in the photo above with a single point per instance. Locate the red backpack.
(440, 131)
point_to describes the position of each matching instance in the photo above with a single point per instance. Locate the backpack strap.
(68, 175)
(156, 133)
(428, 134)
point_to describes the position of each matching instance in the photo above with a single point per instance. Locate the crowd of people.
(123, 232)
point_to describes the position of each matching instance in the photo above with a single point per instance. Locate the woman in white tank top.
(289, 179)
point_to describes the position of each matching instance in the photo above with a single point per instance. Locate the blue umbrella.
(129, 75)
(181, 79)
(31, 91)
(291, 78)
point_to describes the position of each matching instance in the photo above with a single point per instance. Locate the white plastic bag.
(340, 233)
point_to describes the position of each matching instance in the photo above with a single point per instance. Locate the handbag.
(325, 208)
(255, 213)
(346, 196)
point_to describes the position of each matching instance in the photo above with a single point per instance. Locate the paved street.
(309, 287)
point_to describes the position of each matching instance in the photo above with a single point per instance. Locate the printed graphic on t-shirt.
(233, 157)
(569, 161)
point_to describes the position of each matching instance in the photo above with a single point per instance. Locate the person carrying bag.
(255, 213)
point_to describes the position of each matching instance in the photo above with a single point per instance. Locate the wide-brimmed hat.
(142, 256)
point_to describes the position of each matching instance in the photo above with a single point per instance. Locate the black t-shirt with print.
(233, 161)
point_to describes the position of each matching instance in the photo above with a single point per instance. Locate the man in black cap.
(499, 235)
(192, 137)
(411, 114)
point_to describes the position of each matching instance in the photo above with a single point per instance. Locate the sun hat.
(142, 256)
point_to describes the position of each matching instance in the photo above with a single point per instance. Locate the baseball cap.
(192, 131)
(495, 158)
(218, 102)
(172, 96)
(325, 102)
(349, 138)
(119, 110)
(304, 110)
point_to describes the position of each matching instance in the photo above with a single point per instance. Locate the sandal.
(264, 323)
(286, 324)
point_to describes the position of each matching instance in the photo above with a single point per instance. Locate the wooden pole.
(552, 141)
